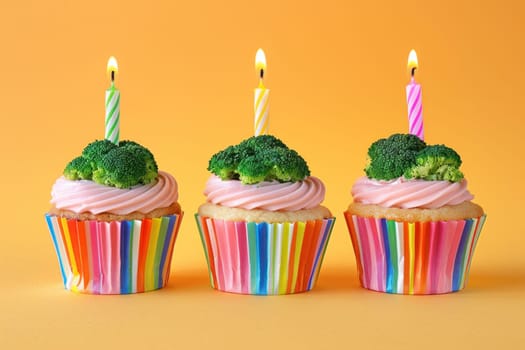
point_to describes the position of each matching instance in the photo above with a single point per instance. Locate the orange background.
(336, 70)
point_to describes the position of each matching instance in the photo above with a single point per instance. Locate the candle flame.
(412, 60)
(260, 66)
(112, 65)
(260, 60)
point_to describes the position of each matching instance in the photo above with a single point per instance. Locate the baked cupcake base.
(264, 258)
(114, 257)
(156, 213)
(413, 257)
(445, 213)
(257, 215)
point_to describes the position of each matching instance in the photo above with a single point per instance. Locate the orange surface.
(336, 70)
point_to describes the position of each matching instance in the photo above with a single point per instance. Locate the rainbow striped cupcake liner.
(413, 257)
(264, 258)
(116, 257)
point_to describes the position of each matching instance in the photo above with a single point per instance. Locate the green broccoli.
(78, 169)
(120, 168)
(143, 153)
(259, 158)
(96, 150)
(390, 157)
(437, 162)
(224, 163)
(288, 165)
(260, 143)
(253, 169)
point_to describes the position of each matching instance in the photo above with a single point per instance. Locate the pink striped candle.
(415, 106)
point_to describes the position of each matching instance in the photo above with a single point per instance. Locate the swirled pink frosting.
(403, 193)
(274, 196)
(86, 196)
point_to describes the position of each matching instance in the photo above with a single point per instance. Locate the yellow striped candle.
(112, 104)
(261, 101)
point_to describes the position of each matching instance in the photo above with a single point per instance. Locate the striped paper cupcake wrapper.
(431, 257)
(116, 257)
(264, 258)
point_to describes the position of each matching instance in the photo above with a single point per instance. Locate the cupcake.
(413, 224)
(263, 228)
(114, 219)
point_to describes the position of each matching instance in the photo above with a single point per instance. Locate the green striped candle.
(112, 105)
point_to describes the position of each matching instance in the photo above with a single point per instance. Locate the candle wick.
(112, 76)
(262, 73)
(413, 71)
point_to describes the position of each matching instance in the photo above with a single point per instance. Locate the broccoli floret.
(437, 162)
(96, 150)
(288, 165)
(406, 155)
(78, 169)
(259, 158)
(224, 163)
(260, 143)
(123, 166)
(390, 157)
(145, 154)
(120, 168)
(253, 169)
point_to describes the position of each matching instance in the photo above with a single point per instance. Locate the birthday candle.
(261, 102)
(112, 104)
(415, 106)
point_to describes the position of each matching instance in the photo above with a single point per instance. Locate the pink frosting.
(274, 196)
(403, 193)
(86, 196)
